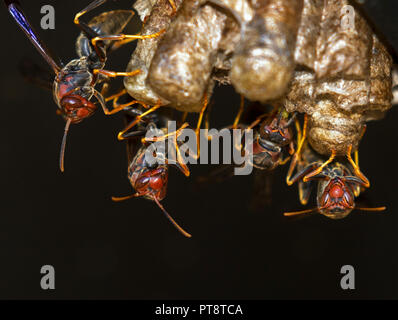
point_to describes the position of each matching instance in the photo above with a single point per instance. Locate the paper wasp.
(149, 178)
(338, 185)
(74, 84)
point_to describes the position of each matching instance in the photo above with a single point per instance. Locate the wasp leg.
(122, 37)
(291, 148)
(105, 89)
(184, 117)
(114, 74)
(282, 162)
(357, 171)
(304, 171)
(116, 95)
(241, 108)
(320, 168)
(298, 129)
(296, 156)
(118, 107)
(176, 133)
(179, 163)
(173, 5)
(200, 119)
(83, 26)
(102, 102)
(304, 192)
(121, 134)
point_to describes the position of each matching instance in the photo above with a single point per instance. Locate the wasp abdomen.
(107, 23)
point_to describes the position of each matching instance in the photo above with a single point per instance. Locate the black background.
(102, 249)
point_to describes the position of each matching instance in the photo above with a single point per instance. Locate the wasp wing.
(35, 74)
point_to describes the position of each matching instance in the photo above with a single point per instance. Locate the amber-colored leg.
(105, 89)
(199, 123)
(357, 190)
(114, 74)
(122, 37)
(257, 121)
(320, 168)
(240, 112)
(116, 95)
(118, 107)
(298, 129)
(357, 171)
(182, 166)
(90, 7)
(137, 119)
(297, 155)
(173, 5)
(284, 161)
(176, 133)
(179, 161)
(184, 117)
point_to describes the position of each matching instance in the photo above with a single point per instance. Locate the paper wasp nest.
(301, 52)
(342, 78)
(156, 17)
(180, 66)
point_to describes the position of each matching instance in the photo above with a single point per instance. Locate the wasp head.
(335, 198)
(276, 131)
(76, 108)
(149, 181)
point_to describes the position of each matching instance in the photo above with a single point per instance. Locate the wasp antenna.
(296, 213)
(171, 219)
(378, 209)
(118, 199)
(289, 123)
(63, 145)
(279, 118)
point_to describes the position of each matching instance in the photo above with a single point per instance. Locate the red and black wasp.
(271, 147)
(338, 185)
(74, 84)
(148, 167)
(272, 134)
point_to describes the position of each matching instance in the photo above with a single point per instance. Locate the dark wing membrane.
(16, 12)
(133, 144)
(35, 74)
(105, 24)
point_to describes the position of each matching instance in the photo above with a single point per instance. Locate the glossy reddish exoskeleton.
(338, 186)
(149, 178)
(74, 84)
